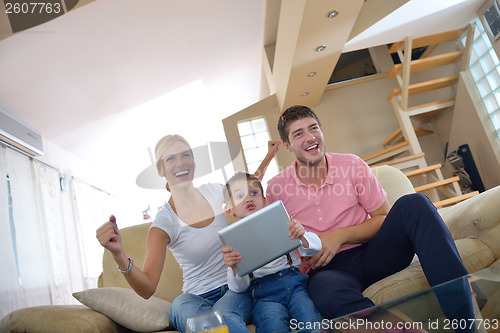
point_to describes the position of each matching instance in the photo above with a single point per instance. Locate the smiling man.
(339, 198)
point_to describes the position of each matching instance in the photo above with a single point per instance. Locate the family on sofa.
(335, 196)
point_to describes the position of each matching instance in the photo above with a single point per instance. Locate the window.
(485, 68)
(254, 137)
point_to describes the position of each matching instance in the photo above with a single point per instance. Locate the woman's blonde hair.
(164, 143)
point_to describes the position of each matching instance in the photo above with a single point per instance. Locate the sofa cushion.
(393, 181)
(57, 319)
(127, 308)
(475, 256)
(474, 253)
(409, 280)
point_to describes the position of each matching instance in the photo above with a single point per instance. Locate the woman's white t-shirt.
(197, 250)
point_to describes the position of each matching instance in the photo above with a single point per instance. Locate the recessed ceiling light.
(321, 48)
(311, 74)
(305, 93)
(333, 13)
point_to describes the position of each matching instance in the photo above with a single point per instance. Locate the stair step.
(400, 160)
(430, 110)
(388, 152)
(421, 171)
(427, 63)
(429, 40)
(436, 184)
(397, 136)
(454, 200)
(422, 87)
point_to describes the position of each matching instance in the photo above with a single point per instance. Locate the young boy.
(278, 288)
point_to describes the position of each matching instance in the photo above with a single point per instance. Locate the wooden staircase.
(397, 136)
(402, 148)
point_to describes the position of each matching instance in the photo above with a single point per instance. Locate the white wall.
(357, 119)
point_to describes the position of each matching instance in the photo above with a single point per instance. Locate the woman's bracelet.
(129, 269)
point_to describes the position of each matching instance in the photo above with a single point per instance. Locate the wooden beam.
(468, 47)
(395, 46)
(405, 77)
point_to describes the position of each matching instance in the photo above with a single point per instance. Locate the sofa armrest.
(477, 217)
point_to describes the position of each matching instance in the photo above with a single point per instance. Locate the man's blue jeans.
(412, 226)
(235, 308)
(282, 301)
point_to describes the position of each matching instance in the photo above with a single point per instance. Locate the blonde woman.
(187, 224)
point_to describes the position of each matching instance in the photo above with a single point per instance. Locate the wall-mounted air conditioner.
(19, 135)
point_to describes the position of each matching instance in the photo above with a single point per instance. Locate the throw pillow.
(127, 308)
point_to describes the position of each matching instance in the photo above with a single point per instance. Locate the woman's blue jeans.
(236, 308)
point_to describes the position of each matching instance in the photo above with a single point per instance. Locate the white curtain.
(92, 208)
(62, 252)
(25, 234)
(48, 248)
(11, 291)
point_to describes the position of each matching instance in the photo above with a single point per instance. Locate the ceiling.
(359, 24)
(117, 73)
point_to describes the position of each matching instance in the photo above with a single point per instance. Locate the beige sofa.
(474, 224)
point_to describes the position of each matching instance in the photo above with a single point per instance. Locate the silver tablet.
(260, 237)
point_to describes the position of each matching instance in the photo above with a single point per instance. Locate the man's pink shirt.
(350, 191)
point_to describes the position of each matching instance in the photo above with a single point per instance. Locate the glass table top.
(423, 311)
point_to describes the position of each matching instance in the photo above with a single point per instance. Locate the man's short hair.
(291, 114)
(240, 175)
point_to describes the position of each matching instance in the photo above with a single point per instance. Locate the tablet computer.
(260, 237)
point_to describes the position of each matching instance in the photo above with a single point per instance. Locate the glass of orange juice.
(207, 322)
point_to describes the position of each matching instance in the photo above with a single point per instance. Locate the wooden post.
(406, 73)
(468, 46)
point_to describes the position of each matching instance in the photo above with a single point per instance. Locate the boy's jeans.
(235, 308)
(282, 302)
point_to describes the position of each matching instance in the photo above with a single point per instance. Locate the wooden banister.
(387, 150)
(400, 160)
(418, 132)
